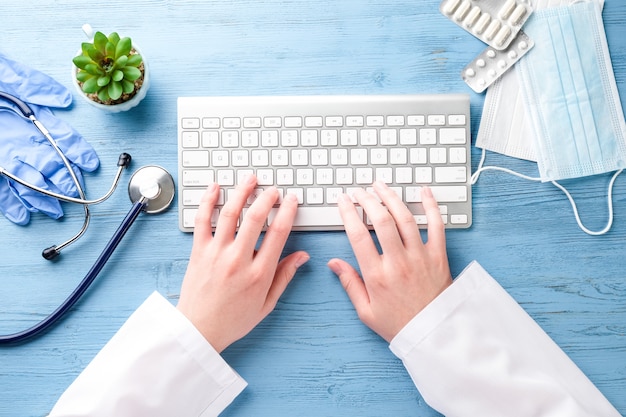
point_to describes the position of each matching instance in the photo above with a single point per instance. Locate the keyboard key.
(452, 136)
(198, 178)
(231, 122)
(354, 121)
(456, 120)
(428, 136)
(313, 121)
(416, 120)
(395, 121)
(190, 123)
(334, 121)
(251, 122)
(315, 216)
(210, 139)
(195, 158)
(375, 121)
(273, 122)
(436, 120)
(192, 197)
(293, 121)
(450, 174)
(211, 123)
(191, 139)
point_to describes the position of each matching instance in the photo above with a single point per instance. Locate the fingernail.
(290, 197)
(344, 198)
(210, 189)
(335, 267)
(381, 184)
(302, 260)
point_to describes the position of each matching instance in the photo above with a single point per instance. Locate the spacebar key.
(314, 216)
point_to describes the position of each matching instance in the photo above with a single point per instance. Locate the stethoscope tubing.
(110, 247)
(140, 204)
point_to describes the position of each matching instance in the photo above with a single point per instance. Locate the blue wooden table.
(312, 356)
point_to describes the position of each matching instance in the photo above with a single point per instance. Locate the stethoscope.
(150, 189)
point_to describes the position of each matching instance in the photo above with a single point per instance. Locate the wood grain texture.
(312, 356)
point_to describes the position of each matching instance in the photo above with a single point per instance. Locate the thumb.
(352, 284)
(285, 272)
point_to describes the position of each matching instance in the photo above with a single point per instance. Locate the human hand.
(408, 275)
(25, 152)
(229, 287)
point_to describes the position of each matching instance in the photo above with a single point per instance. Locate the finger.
(230, 213)
(353, 285)
(278, 231)
(405, 222)
(254, 219)
(285, 272)
(203, 227)
(436, 230)
(359, 236)
(383, 222)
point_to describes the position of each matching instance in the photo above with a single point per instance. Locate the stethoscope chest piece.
(153, 184)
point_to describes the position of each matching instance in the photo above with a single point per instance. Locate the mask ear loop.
(609, 203)
(481, 168)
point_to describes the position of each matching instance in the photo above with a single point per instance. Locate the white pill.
(506, 10)
(482, 23)
(518, 14)
(502, 35)
(502, 63)
(472, 16)
(523, 45)
(461, 12)
(482, 82)
(470, 73)
(512, 54)
(492, 72)
(481, 63)
(492, 29)
(491, 53)
(451, 6)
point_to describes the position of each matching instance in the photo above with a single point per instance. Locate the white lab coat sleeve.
(473, 351)
(157, 364)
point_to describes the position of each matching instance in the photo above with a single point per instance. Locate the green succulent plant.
(108, 67)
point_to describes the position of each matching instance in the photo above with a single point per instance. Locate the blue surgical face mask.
(570, 113)
(570, 92)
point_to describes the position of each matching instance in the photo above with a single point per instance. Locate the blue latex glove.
(25, 152)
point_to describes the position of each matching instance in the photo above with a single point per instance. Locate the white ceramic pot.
(114, 108)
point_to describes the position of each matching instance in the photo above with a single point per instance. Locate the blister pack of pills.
(492, 63)
(495, 22)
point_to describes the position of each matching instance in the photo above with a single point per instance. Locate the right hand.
(397, 284)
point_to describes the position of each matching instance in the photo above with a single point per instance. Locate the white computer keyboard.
(318, 147)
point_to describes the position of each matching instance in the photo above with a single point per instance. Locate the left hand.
(229, 286)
